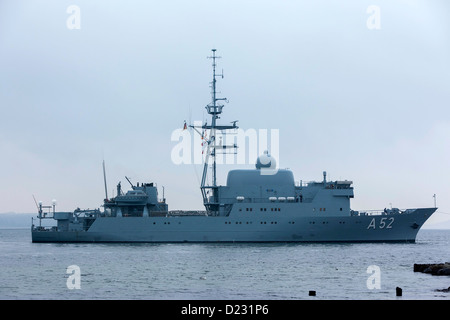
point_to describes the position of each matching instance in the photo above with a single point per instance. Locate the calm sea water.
(220, 271)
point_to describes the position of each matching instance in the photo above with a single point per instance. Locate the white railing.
(381, 212)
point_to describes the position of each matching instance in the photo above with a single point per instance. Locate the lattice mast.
(210, 192)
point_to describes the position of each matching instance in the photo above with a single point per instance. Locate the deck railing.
(380, 212)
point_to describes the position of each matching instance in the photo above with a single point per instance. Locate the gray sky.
(367, 105)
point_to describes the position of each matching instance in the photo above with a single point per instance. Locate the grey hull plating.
(402, 227)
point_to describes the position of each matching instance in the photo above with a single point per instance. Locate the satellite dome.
(265, 161)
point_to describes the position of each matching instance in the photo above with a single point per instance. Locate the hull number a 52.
(384, 223)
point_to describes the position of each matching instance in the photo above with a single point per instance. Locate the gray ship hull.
(402, 227)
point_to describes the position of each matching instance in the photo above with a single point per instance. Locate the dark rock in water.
(438, 269)
(444, 272)
(443, 290)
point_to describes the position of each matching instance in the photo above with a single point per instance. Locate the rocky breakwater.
(436, 269)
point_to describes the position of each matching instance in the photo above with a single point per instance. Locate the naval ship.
(263, 204)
